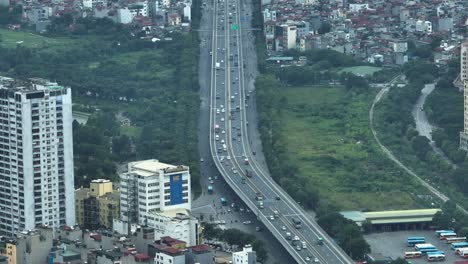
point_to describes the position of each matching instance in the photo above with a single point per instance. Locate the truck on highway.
(210, 189)
(218, 65)
(216, 128)
(260, 205)
(259, 196)
(297, 223)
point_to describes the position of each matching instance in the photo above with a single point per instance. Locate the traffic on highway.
(231, 148)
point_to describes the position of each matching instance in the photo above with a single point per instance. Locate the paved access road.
(231, 148)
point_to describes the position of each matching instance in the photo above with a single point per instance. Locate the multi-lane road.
(232, 151)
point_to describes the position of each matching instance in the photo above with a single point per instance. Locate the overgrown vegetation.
(155, 85)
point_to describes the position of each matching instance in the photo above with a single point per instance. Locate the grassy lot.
(361, 70)
(11, 38)
(326, 134)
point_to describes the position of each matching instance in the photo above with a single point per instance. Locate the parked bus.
(451, 240)
(413, 254)
(458, 250)
(411, 243)
(435, 257)
(210, 189)
(464, 253)
(426, 251)
(417, 247)
(444, 236)
(416, 238)
(223, 201)
(456, 245)
(438, 232)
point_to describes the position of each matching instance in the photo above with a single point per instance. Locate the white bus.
(413, 254)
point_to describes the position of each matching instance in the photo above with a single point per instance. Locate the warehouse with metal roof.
(393, 220)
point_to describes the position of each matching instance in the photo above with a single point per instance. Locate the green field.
(361, 70)
(12, 38)
(327, 138)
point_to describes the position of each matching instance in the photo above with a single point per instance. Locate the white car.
(246, 222)
(222, 119)
(316, 260)
(307, 259)
(223, 132)
(222, 141)
(272, 217)
(296, 238)
(283, 228)
(228, 157)
(222, 110)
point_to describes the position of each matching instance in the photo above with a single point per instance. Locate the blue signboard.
(176, 189)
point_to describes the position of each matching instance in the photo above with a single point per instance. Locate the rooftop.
(151, 167)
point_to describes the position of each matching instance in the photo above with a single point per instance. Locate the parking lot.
(393, 244)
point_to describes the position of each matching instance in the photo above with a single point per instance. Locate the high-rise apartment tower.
(464, 80)
(36, 155)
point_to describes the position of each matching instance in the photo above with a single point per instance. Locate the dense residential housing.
(36, 167)
(146, 15)
(374, 31)
(98, 205)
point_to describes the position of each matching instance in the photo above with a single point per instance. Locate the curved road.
(392, 157)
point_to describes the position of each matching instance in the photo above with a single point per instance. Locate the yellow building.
(9, 250)
(97, 205)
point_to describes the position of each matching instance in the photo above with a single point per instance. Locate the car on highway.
(202, 160)
(222, 119)
(228, 157)
(211, 181)
(272, 217)
(296, 238)
(307, 259)
(298, 248)
(234, 171)
(247, 222)
(223, 132)
(283, 228)
(316, 260)
(209, 178)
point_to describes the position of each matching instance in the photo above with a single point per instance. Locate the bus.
(210, 189)
(426, 251)
(416, 238)
(413, 254)
(464, 253)
(456, 245)
(435, 257)
(459, 250)
(444, 236)
(296, 222)
(438, 232)
(411, 243)
(417, 247)
(223, 201)
(451, 240)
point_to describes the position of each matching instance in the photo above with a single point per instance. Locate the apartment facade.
(149, 186)
(246, 256)
(464, 80)
(178, 224)
(97, 205)
(36, 155)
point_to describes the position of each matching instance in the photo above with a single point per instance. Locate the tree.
(325, 27)
(420, 145)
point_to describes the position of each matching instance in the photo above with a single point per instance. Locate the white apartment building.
(289, 36)
(178, 224)
(150, 186)
(169, 256)
(464, 80)
(36, 155)
(246, 256)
